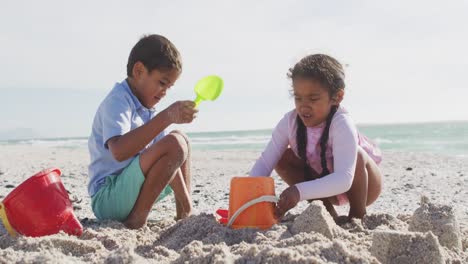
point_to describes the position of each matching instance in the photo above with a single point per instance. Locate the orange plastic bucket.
(251, 202)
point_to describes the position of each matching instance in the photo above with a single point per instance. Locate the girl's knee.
(361, 158)
(361, 170)
(286, 160)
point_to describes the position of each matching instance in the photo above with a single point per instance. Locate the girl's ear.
(338, 97)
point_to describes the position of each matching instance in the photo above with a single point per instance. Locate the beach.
(420, 217)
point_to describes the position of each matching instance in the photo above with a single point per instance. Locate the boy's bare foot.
(184, 214)
(134, 224)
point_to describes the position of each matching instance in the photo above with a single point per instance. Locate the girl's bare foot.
(342, 219)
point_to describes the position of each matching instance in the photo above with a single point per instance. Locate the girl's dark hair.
(155, 52)
(329, 73)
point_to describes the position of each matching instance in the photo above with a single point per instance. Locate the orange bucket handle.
(264, 198)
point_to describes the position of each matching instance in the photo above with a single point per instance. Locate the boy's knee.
(179, 146)
(182, 134)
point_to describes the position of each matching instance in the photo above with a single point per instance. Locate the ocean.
(447, 138)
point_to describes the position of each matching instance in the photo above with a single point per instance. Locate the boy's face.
(151, 87)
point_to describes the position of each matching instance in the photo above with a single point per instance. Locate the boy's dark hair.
(155, 52)
(329, 72)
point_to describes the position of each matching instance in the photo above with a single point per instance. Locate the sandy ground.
(401, 226)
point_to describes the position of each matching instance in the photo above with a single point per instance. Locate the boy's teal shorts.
(115, 200)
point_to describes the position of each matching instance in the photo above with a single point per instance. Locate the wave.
(58, 143)
(435, 138)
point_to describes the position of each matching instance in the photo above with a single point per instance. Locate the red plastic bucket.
(40, 206)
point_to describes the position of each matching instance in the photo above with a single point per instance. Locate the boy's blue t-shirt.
(119, 113)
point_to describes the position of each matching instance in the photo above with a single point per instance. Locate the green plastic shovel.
(208, 88)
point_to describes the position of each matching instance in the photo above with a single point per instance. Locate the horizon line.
(251, 130)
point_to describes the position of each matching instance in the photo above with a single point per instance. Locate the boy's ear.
(339, 96)
(138, 69)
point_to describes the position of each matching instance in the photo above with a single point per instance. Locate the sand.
(421, 217)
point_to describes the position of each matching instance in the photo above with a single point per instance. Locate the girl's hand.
(288, 200)
(181, 112)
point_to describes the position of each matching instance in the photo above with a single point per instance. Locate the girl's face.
(312, 100)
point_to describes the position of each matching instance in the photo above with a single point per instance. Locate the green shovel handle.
(198, 100)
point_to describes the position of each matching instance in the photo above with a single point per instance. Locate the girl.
(327, 159)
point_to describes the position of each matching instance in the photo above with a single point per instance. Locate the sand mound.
(197, 252)
(400, 247)
(383, 221)
(124, 254)
(440, 220)
(310, 237)
(315, 219)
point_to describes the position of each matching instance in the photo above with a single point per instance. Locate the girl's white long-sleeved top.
(341, 154)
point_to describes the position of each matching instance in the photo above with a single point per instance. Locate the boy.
(133, 161)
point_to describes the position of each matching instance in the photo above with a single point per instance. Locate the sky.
(407, 61)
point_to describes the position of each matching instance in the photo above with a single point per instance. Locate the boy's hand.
(288, 200)
(182, 112)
